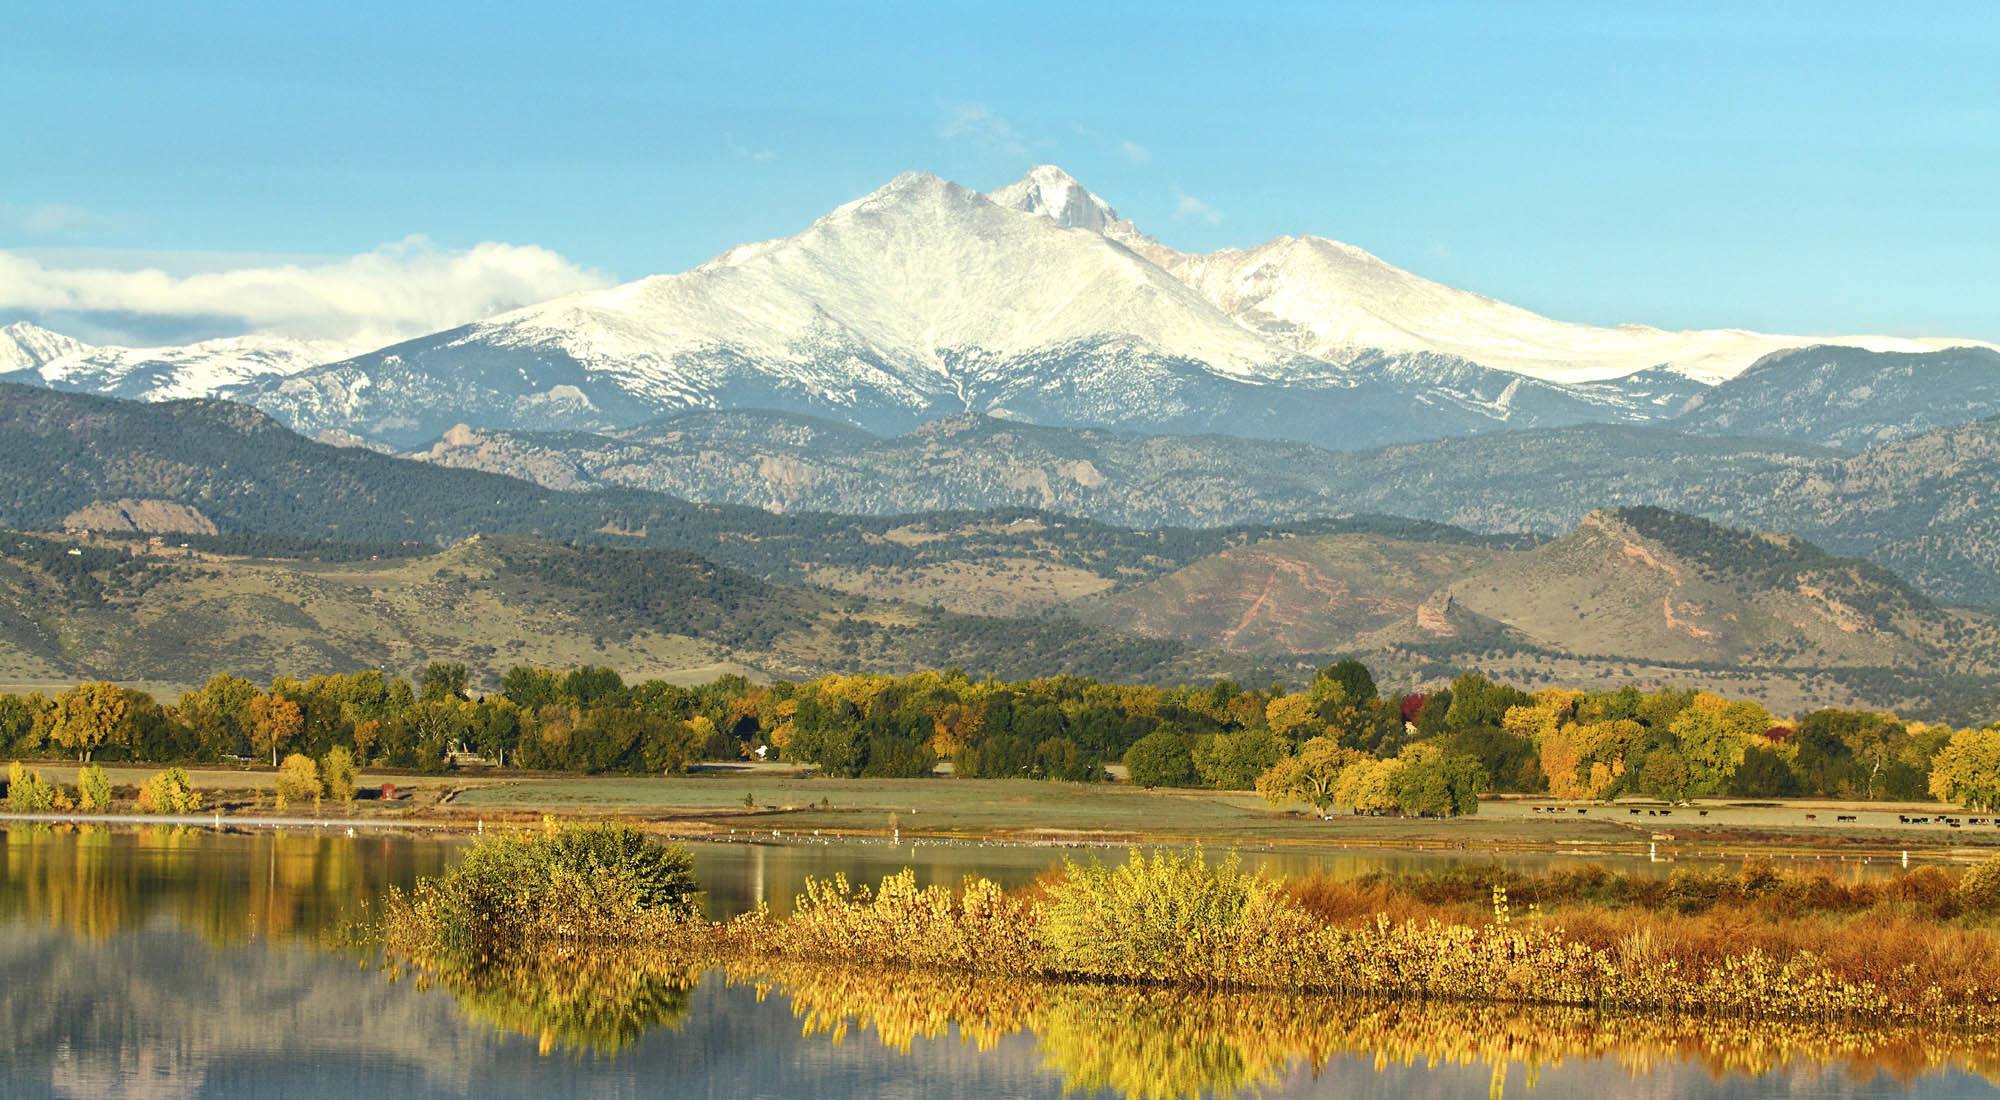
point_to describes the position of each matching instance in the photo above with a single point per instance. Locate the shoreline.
(699, 828)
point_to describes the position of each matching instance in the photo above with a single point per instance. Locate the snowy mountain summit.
(30, 353)
(1035, 301)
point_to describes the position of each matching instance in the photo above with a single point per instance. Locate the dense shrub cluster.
(578, 884)
(1178, 919)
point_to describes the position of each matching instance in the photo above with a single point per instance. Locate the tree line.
(1337, 744)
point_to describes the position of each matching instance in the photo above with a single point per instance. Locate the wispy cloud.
(49, 219)
(1123, 146)
(1187, 208)
(393, 292)
(738, 149)
(976, 122)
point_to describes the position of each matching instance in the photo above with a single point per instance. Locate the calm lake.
(186, 963)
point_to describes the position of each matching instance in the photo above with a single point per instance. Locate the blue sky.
(1797, 168)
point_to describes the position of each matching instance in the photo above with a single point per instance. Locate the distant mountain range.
(1923, 505)
(1036, 303)
(33, 355)
(301, 554)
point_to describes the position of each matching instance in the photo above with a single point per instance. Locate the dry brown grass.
(1905, 933)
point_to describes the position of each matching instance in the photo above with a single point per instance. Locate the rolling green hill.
(68, 460)
(124, 610)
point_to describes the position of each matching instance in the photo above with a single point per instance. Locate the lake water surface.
(184, 963)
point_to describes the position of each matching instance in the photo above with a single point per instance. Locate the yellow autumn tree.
(955, 726)
(1291, 716)
(275, 722)
(1583, 760)
(90, 716)
(1311, 775)
(1369, 788)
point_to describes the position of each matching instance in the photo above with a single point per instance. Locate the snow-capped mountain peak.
(202, 369)
(25, 347)
(1052, 193)
(1056, 195)
(1035, 301)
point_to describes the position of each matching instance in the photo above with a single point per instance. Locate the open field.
(757, 800)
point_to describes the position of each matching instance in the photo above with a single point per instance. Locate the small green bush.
(579, 883)
(29, 793)
(169, 792)
(298, 780)
(339, 774)
(93, 790)
(1156, 917)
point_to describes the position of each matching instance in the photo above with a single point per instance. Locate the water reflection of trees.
(1157, 1043)
(1154, 1044)
(569, 1001)
(94, 882)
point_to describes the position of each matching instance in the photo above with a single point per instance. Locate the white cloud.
(396, 291)
(977, 122)
(1135, 152)
(1189, 208)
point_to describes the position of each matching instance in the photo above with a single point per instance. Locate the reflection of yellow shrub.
(1175, 920)
(1159, 1043)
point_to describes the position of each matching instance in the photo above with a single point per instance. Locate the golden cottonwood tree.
(90, 716)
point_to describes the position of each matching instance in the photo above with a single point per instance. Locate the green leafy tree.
(444, 681)
(1713, 734)
(531, 689)
(1435, 783)
(1353, 679)
(1764, 774)
(1160, 759)
(219, 715)
(1062, 759)
(1478, 701)
(669, 745)
(1233, 761)
(17, 725)
(1665, 774)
